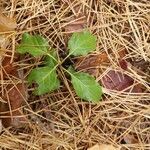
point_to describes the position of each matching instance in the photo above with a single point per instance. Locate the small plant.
(80, 44)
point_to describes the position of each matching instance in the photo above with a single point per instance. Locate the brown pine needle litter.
(60, 120)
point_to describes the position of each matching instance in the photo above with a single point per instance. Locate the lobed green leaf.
(35, 45)
(86, 87)
(81, 43)
(46, 78)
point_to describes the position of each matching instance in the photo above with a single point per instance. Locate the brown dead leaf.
(76, 24)
(123, 64)
(91, 63)
(8, 67)
(7, 24)
(116, 80)
(15, 97)
(103, 147)
(84, 63)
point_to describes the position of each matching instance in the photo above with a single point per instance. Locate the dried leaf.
(78, 21)
(116, 80)
(8, 67)
(15, 96)
(76, 24)
(92, 62)
(123, 64)
(103, 147)
(84, 63)
(6, 23)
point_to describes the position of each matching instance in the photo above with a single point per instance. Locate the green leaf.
(86, 87)
(71, 70)
(46, 78)
(51, 59)
(35, 45)
(81, 43)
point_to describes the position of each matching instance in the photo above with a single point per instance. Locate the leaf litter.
(12, 95)
(76, 124)
(77, 22)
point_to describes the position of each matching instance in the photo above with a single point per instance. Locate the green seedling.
(80, 44)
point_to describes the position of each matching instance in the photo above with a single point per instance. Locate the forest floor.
(121, 64)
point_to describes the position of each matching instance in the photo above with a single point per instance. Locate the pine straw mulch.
(60, 120)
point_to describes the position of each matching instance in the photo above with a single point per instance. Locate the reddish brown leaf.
(76, 24)
(116, 80)
(90, 63)
(78, 21)
(137, 89)
(8, 67)
(15, 97)
(123, 64)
